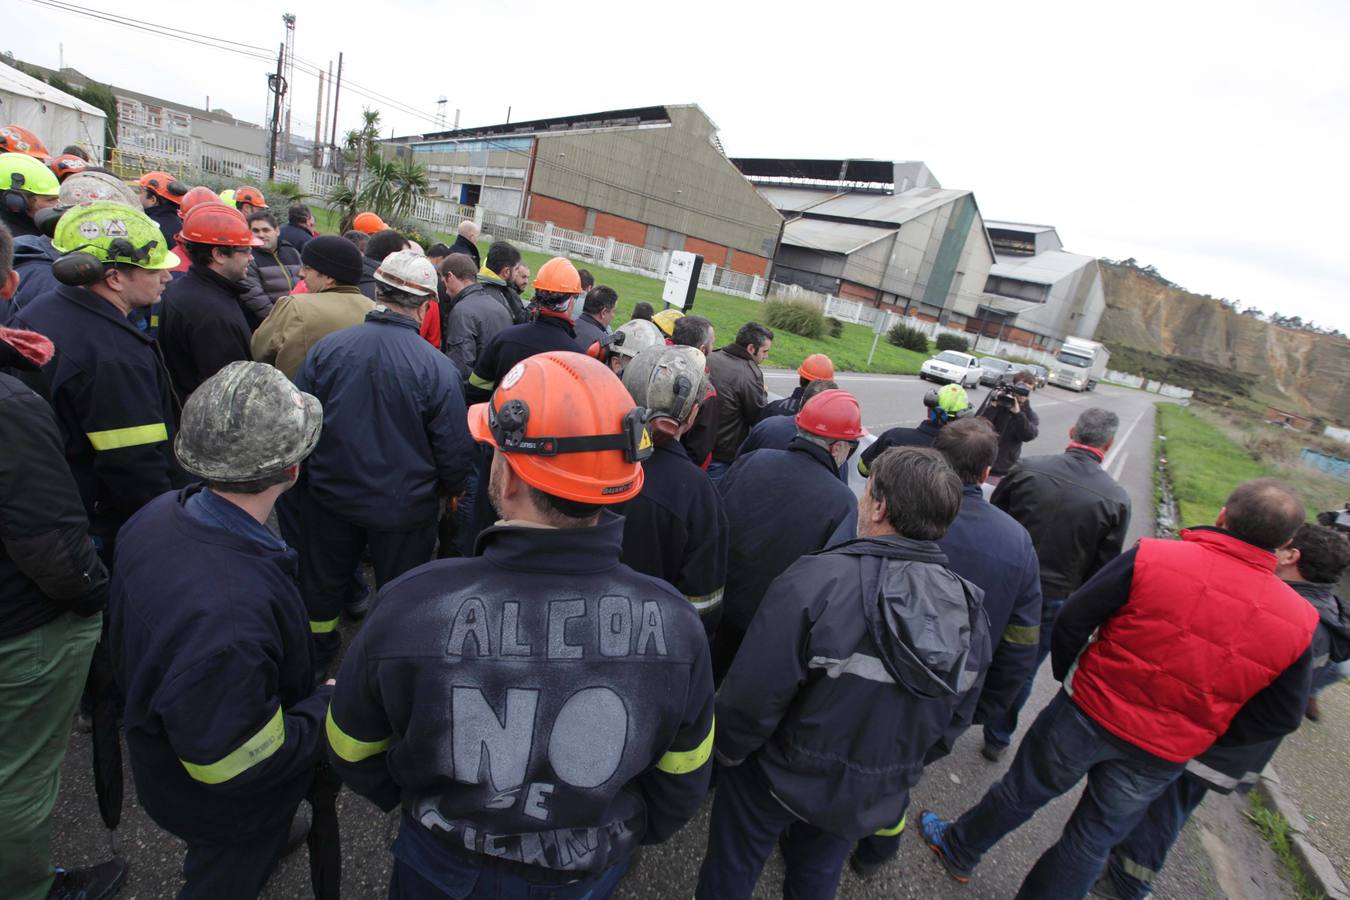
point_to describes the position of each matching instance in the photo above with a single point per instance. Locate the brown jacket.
(297, 322)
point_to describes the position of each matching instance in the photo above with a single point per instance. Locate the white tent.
(54, 116)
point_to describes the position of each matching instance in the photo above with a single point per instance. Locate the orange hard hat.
(816, 367)
(217, 224)
(832, 414)
(163, 185)
(558, 276)
(195, 197)
(366, 222)
(17, 139)
(567, 427)
(251, 196)
(67, 164)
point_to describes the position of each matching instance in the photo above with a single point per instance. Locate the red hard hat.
(568, 427)
(67, 164)
(366, 222)
(17, 139)
(251, 196)
(164, 185)
(217, 224)
(195, 197)
(816, 367)
(832, 414)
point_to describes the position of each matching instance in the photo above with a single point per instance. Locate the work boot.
(94, 883)
(864, 870)
(992, 753)
(299, 829)
(933, 828)
(1313, 712)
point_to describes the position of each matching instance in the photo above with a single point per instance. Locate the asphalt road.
(669, 870)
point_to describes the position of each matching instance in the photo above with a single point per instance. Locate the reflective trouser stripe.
(682, 762)
(323, 627)
(267, 741)
(892, 832)
(348, 747)
(135, 436)
(1134, 869)
(1023, 634)
(480, 382)
(705, 602)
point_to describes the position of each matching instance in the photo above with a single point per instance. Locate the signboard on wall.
(682, 279)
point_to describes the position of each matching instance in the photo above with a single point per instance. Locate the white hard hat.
(409, 272)
(632, 337)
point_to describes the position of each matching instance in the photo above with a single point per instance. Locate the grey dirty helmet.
(668, 381)
(246, 423)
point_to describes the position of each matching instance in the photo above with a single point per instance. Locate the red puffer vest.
(1206, 627)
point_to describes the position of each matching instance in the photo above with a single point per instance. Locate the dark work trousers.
(330, 549)
(232, 871)
(726, 641)
(475, 509)
(1136, 861)
(746, 823)
(881, 847)
(999, 731)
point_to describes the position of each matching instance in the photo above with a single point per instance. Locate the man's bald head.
(1264, 511)
(468, 229)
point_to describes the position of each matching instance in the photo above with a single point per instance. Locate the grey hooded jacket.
(863, 663)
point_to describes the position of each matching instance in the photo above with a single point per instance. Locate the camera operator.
(1008, 409)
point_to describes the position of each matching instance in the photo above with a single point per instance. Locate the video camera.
(1005, 392)
(1336, 518)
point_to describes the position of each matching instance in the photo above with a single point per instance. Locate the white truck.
(1080, 364)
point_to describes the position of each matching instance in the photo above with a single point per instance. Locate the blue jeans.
(1326, 676)
(716, 470)
(1062, 746)
(998, 732)
(746, 823)
(1137, 860)
(425, 870)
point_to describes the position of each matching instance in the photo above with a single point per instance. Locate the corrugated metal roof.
(895, 209)
(1018, 226)
(1044, 268)
(794, 199)
(832, 237)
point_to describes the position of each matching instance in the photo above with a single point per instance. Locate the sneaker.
(864, 870)
(933, 828)
(94, 883)
(357, 611)
(992, 753)
(1313, 712)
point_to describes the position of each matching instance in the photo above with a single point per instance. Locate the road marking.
(1119, 466)
(1120, 444)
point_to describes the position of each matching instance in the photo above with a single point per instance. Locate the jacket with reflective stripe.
(837, 692)
(223, 723)
(542, 703)
(113, 401)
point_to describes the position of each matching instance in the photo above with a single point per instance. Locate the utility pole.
(289, 73)
(337, 95)
(318, 122)
(277, 85)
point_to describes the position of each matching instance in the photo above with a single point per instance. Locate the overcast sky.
(1208, 139)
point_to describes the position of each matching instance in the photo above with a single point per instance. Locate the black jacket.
(864, 663)
(1076, 514)
(920, 436)
(588, 331)
(784, 406)
(468, 248)
(113, 400)
(1331, 641)
(202, 327)
(165, 215)
(382, 371)
(19, 224)
(740, 398)
(542, 703)
(213, 654)
(676, 530)
(47, 562)
(296, 235)
(1013, 432)
(775, 432)
(277, 271)
(33, 258)
(510, 345)
(757, 491)
(507, 296)
(367, 282)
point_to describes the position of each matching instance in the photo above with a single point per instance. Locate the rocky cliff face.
(1310, 371)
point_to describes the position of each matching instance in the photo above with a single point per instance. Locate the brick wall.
(748, 263)
(560, 213)
(713, 254)
(625, 231)
(857, 292)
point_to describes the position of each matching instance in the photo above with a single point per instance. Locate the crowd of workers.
(610, 575)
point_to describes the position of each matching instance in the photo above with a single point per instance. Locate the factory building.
(880, 232)
(654, 177)
(1037, 293)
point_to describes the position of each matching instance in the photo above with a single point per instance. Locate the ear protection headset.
(78, 268)
(940, 415)
(15, 201)
(508, 430)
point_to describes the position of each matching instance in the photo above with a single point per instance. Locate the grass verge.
(1275, 829)
(848, 351)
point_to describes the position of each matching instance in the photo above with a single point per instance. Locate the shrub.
(902, 335)
(947, 341)
(796, 316)
(836, 327)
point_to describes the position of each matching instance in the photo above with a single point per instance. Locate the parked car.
(1039, 371)
(992, 370)
(952, 366)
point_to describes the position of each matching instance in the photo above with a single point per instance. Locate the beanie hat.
(333, 256)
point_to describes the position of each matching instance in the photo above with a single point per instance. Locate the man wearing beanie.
(331, 267)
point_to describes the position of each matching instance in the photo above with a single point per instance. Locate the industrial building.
(880, 232)
(1037, 293)
(654, 177)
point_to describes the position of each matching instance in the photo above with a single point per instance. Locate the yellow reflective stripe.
(892, 832)
(705, 602)
(682, 762)
(1136, 870)
(135, 436)
(323, 627)
(267, 741)
(1023, 634)
(480, 382)
(348, 747)
(154, 321)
